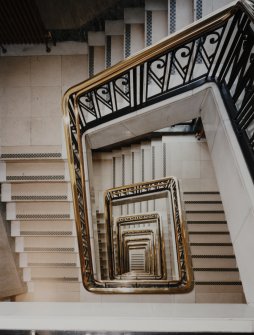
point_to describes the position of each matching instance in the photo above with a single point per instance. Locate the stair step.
(42, 295)
(207, 222)
(201, 211)
(29, 157)
(46, 233)
(30, 152)
(54, 258)
(201, 192)
(205, 269)
(64, 279)
(208, 232)
(201, 202)
(197, 207)
(201, 197)
(211, 239)
(53, 227)
(40, 207)
(55, 287)
(56, 272)
(31, 178)
(205, 216)
(233, 297)
(214, 262)
(35, 171)
(33, 192)
(217, 250)
(39, 198)
(210, 256)
(211, 244)
(43, 216)
(218, 287)
(204, 228)
(217, 276)
(49, 241)
(54, 265)
(48, 249)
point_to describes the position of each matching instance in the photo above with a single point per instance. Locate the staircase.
(216, 274)
(36, 185)
(36, 189)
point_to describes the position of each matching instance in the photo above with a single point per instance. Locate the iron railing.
(217, 49)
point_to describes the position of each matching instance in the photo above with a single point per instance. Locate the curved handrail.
(230, 66)
(201, 26)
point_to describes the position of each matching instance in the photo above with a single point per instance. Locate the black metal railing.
(218, 49)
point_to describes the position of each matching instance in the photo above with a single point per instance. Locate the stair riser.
(203, 207)
(205, 217)
(213, 263)
(204, 227)
(216, 276)
(39, 211)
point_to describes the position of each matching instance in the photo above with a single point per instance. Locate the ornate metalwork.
(225, 44)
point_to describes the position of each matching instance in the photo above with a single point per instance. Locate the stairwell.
(36, 186)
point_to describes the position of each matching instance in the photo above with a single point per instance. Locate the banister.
(202, 26)
(234, 77)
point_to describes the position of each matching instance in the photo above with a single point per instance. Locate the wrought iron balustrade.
(217, 49)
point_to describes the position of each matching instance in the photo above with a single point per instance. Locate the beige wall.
(30, 97)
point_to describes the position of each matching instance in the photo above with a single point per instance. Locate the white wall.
(235, 184)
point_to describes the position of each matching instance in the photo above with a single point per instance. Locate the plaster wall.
(31, 89)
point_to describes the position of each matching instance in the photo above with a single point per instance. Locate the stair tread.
(206, 222)
(201, 192)
(204, 211)
(213, 256)
(209, 233)
(203, 202)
